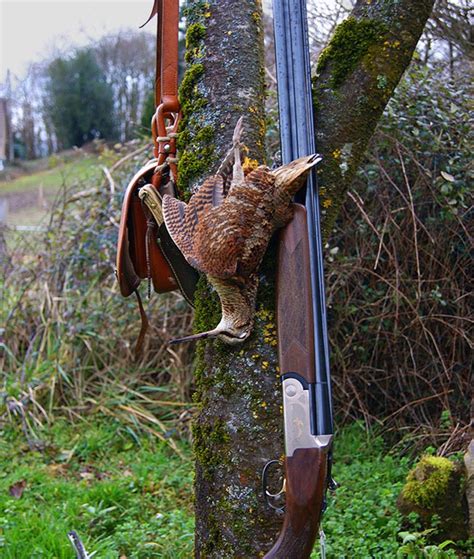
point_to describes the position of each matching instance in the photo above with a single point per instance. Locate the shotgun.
(301, 307)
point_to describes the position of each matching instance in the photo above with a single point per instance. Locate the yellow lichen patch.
(269, 332)
(249, 165)
(257, 18)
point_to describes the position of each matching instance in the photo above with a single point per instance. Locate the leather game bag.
(145, 249)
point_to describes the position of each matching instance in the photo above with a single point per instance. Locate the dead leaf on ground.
(16, 490)
(57, 470)
(91, 472)
(86, 475)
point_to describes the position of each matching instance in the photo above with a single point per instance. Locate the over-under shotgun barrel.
(302, 329)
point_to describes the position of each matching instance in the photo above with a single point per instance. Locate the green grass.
(130, 495)
(52, 179)
(124, 495)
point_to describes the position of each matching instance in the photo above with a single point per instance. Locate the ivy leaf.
(446, 543)
(447, 176)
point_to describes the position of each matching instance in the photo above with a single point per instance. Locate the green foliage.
(79, 100)
(429, 116)
(124, 495)
(415, 547)
(351, 42)
(362, 519)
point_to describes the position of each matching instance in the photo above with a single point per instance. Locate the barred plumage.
(226, 237)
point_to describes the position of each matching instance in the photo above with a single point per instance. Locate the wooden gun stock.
(306, 459)
(305, 487)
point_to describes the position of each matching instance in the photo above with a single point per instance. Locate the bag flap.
(131, 246)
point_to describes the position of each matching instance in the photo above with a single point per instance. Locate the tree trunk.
(239, 426)
(356, 75)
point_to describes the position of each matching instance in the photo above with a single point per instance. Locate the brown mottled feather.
(227, 243)
(182, 219)
(226, 238)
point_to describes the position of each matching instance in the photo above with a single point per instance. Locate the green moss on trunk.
(350, 43)
(195, 140)
(356, 76)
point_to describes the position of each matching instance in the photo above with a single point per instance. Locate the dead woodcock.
(225, 236)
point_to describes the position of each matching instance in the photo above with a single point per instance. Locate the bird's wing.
(174, 214)
(182, 219)
(210, 195)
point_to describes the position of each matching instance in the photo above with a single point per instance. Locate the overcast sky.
(31, 29)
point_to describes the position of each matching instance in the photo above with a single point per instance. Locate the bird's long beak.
(201, 336)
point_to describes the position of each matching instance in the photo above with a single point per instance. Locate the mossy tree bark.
(238, 427)
(356, 75)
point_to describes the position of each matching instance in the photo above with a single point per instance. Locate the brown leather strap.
(167, 115)
(144, 327)
(159, 22)
(169, 55)
(139, 255)
(166, 78)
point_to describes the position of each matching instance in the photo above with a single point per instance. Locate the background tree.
(452, 24)
(128, 61)
(84, 93)
(27, 122)
(79, 101)
(148, 112)
(238, 428)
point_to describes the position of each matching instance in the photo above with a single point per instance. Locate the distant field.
(27, 200)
